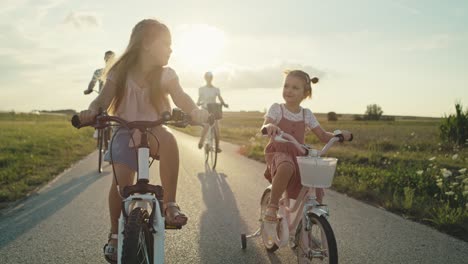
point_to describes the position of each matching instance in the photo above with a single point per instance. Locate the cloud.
(13, 39)
(405, 7)
(240, 78)
(82, 20)
(429, 43)
(10, 5)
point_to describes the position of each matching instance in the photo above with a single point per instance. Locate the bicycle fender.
(318, 211)
(265, 192)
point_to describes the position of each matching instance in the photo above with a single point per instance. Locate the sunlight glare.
(198, 45)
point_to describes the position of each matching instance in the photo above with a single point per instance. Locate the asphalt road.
(67, 220)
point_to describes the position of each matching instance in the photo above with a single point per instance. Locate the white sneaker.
(95, 135)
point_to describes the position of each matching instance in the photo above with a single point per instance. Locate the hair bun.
(314, 80)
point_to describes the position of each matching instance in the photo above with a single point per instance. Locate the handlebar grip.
(76, 121)
(341, 137)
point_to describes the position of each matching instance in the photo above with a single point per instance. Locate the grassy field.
(400, 165)
(34, 149)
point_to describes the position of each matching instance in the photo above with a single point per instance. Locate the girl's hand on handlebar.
(272, 130)
(88, 116)
(199, 115)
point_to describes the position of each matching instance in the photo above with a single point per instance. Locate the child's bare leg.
(125, 177)
(169, 172)
(280, 181)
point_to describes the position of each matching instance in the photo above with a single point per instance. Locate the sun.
(198, 45)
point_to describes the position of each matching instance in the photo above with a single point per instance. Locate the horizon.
(404, 56)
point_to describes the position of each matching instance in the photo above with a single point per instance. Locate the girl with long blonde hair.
(137, 89)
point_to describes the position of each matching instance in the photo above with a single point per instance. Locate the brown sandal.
(176, 217)
(110, 251)
(271, 213)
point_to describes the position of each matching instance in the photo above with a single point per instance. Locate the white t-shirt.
(208, 95)
(275, 113)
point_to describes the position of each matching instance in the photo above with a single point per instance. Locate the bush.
(332, 116)
(454, 128)
(373, 112)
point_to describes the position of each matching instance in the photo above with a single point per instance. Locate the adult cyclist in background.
(108, 58)
(97, 77)
(206, 95)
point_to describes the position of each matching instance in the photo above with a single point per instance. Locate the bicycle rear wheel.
(100, 148)
(138, 239)
(318, 244)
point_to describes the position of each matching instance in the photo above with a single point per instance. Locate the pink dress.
(277, 153)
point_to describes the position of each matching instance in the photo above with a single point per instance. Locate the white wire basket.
(316, 172)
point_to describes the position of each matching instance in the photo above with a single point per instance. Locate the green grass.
(34, 149)
(398, 165)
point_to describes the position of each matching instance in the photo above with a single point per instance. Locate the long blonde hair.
(144, 31)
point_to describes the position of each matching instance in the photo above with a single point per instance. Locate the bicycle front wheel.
(211, 146)
(100, 149)
(138, 239)
(316, 243)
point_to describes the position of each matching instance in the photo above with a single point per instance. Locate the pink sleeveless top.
(136, 104)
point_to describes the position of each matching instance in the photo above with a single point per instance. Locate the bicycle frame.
(144, 201)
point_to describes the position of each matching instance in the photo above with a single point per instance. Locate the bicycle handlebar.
(102, 120)
(305, 149)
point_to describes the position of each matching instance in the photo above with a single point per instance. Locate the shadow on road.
(221, 225)
(41, 206)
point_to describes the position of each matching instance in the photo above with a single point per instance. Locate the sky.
(409, 57)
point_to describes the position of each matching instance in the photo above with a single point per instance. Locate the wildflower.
(413, 134)
(446, 173)
(449, 193)
(419, 172)
(433, 158)
(462, 171)
(455, 184)
(454, 157)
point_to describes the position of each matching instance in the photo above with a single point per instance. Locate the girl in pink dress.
(137, 89)
(282, 169)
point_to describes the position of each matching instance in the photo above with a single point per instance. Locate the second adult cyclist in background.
(207, 95)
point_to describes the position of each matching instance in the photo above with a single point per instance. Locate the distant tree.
(332, 116)
(373, 112)
(454, 128)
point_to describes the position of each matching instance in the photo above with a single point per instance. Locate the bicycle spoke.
(142, 247)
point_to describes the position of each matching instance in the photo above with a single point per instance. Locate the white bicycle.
(302, 225)
(210, 145)
(141, 223)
